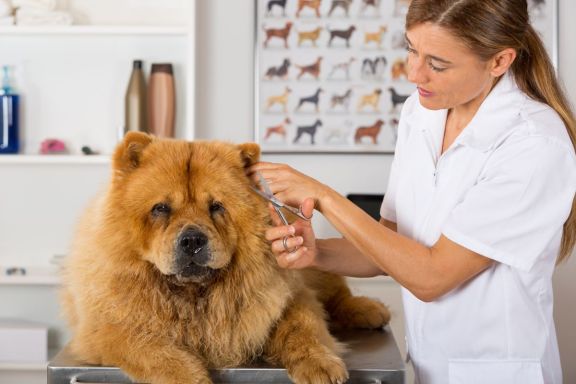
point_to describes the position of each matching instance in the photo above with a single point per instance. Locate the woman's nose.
(417, 71)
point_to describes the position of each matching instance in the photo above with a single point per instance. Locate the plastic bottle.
(162, 100)
(9, 124)
(135, 114)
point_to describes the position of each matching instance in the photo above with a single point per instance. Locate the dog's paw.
(362, 312)
(329, 369)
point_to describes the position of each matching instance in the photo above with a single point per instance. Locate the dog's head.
(184, 206)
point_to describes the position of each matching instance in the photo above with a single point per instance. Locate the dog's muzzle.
(192, 253)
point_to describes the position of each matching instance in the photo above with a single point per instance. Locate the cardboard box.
(23, 341)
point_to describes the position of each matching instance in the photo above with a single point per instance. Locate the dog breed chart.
(331, 74)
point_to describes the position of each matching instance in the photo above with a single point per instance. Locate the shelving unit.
(53, 159)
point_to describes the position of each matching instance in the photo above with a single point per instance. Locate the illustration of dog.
(344, 34)
(375, 37)
(399, 40)
(401, 7)
(339, 134)
(399, 69)
(396, 99)
(342, 67)
(394, 126)
(279, 3)
(279, 129)
(371, 131)
(279, 33)
(313, 4)
(310, 130)
(370, 100)
(313, 69)
(312, 36)
(374, 69)
(280, 71)
(314, 100)
(343, 4)
(375, 4)
(341, 100)
(279, 99)
(170, 274)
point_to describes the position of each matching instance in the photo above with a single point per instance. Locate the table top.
(372, 357)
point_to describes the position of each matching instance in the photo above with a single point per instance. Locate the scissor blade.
(265, 185)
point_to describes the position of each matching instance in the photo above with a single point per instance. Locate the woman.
(480, 201)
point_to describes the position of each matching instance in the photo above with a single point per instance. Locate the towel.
(25, 16)
(5, 8)
(4, 21)
(40, 5)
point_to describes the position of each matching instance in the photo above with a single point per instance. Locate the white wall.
(225, 111)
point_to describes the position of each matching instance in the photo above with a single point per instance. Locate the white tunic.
(504, 190)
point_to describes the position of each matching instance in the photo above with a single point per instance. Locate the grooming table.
(372, 358)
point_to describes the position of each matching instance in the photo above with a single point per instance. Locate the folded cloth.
(30, 17)
(5, 8)
(41, 5)
(7, 20)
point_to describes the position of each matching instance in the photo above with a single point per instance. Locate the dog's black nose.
(192, 241)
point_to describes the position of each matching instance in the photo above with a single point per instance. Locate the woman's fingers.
(292, 243)
(280, 231)
(294, 259)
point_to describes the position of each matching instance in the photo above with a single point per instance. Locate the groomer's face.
(448, 74)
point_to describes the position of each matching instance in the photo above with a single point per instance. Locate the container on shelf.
(9, 122)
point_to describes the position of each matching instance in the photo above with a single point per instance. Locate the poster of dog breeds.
(332, 76)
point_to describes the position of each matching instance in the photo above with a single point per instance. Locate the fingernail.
(299, 240)
(292, 230)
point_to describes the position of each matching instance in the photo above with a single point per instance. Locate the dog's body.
(375, 4)
(371, 131)
(344, 4)
(370, 100)
(313, 69)
(344, 34)
(279, 99)
(375, 37)
(312, 36)
(310, 130)
(396, 99)
(313, 99)
(342, 67)
(279, 129)
(170, 274)
(313, 4)
(279, 3)
(374, 69)
(280, 33)
(340, 133)
(280, 71)
(399, 69)
(341, 100)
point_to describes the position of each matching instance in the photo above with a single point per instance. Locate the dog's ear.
(129, 152)
(249, 153)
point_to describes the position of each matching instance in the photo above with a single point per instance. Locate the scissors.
(277, 204)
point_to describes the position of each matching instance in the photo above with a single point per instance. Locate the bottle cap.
(137, 64)
(162, 67)
(6, 87)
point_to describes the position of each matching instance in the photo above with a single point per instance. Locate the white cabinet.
(72, 82)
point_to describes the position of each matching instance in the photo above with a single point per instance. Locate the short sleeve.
(519, 204)
(388, 207)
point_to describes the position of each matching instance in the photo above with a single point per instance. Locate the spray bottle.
(9, 127)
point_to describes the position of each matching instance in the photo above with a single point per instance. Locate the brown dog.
(281, 33)
(279, 129)
(281, 99)
(314, 4)
(312, 35)
(371, 131)
(399, 69)
(311, 69)
(170, 274)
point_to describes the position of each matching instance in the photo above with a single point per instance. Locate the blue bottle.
(9, 101)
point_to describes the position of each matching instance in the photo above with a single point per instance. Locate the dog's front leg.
(302, 344)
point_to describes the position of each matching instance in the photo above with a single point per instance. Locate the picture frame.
(331, 76)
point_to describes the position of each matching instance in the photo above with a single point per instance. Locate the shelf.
(40, 366)
(54, 159)
(82, 30)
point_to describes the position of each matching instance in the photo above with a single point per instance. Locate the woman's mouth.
(424, 93)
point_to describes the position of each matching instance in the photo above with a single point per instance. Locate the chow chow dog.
(170, 274)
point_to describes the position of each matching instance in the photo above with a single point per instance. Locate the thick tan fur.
(129, 306)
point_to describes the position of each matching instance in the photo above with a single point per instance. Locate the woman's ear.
(502, 61)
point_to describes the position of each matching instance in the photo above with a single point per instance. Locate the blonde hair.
(489, 26)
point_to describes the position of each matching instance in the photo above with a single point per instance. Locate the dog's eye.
(216, 207)
(161, 209)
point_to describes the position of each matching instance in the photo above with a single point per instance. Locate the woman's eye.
(435, 68)
(216, 207)
(161, 209)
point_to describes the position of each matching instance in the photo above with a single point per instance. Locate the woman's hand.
(287, 184)
(299, 249)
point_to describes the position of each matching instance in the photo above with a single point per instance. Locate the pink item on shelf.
(53, 146)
